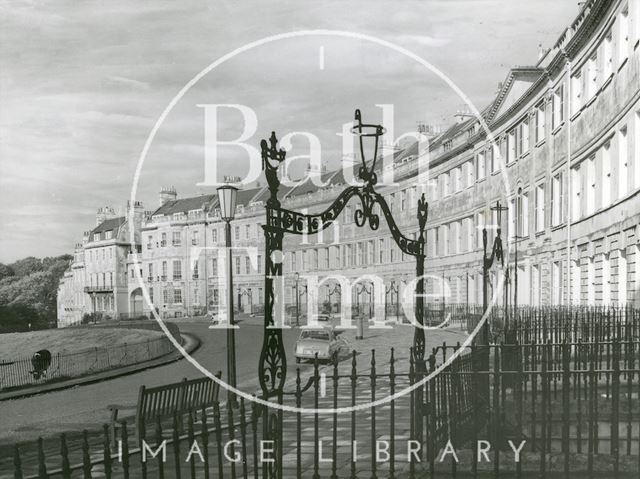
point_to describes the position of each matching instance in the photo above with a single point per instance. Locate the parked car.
(324, 341)
(323, 320)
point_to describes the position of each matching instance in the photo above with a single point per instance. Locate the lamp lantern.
(227, 195)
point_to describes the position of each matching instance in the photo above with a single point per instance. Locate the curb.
(190, 344)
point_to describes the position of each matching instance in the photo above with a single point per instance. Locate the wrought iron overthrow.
(273, 364)
(487, 262)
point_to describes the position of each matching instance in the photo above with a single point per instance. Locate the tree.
(38, 290)
(20, 318)
(26, 266)
(33, 284)
(5, 271)
(52, 262)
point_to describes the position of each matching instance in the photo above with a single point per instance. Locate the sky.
(82, 84)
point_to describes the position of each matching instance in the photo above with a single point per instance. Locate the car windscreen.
(323, 335)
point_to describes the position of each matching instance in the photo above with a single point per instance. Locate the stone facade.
(73, 303)
(183, 243)
(97, 280)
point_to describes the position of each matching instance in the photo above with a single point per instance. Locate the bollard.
(360, 327)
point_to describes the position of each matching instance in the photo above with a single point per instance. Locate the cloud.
(130, 82)
(422, 40)
(83, 83)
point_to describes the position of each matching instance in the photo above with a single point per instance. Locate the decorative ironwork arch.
(272, 367)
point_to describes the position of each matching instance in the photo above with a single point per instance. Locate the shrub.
(93, 318)
(17, 318)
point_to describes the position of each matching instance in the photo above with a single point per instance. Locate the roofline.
(182, 199)
(123, 218)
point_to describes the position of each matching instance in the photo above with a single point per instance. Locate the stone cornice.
(593, 17)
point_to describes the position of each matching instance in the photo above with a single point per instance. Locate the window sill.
(558, 128)
(577, 114)
(623, 63)
(558, 226)
(539, 233)
(541, 142)
(607, 82)
(591, 100)
(602, 210)
(525, 154)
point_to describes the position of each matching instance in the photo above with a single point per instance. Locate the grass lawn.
(66, 340)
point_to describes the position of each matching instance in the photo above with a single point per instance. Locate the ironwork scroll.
(273, 366)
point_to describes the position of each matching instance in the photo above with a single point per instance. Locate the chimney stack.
(104, 213)
(167, 194)
(541, 51)
(428, 130)
(137, 210)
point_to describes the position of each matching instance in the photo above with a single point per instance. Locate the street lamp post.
(330, 293)
(388, 292)
(363, 288)
(249, 294)
(398, 288)
(227, 196)
(444, 305)
(399, 318)
(507, 284)
(298, 295)
(305, 292)
(466, 309)
(487, 262)
(205, 212)
(297, 279)
(516, 239)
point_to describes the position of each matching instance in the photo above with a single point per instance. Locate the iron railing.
(566, 413)
(22, 372)
(528, 324)
(575, 403)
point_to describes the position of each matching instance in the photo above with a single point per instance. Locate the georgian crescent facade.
(562, 151)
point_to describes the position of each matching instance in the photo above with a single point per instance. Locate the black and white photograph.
(333, 239)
